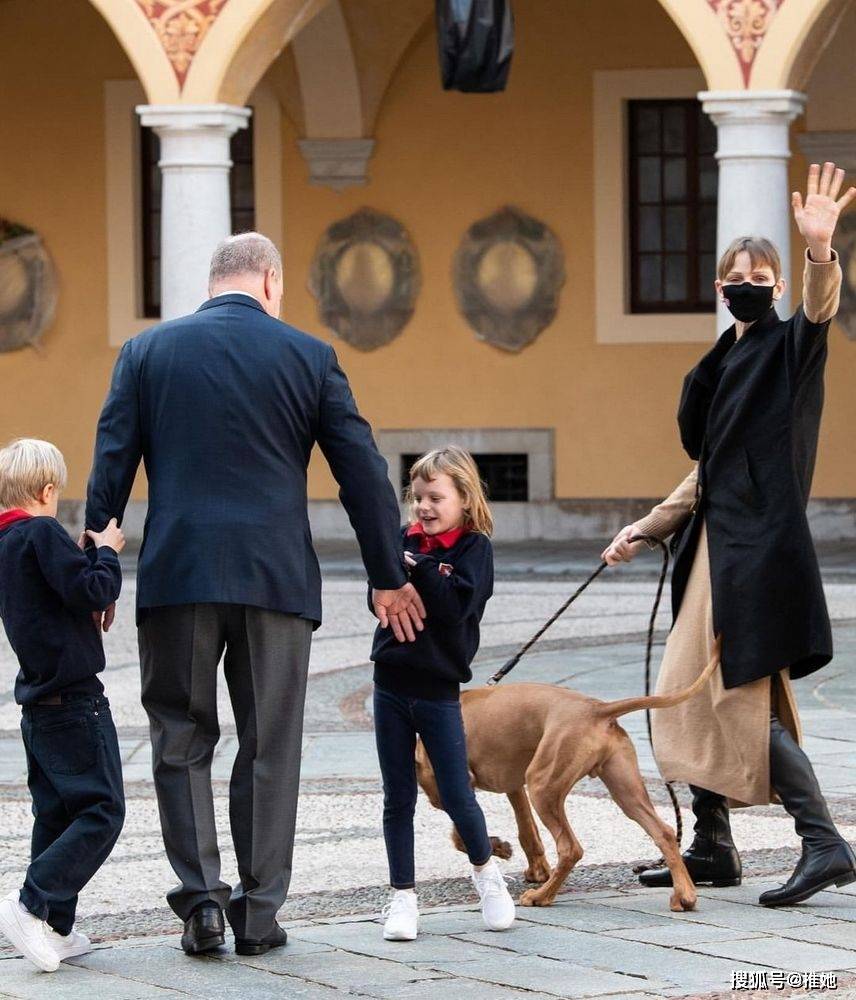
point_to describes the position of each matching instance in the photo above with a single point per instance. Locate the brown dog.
(539, 739)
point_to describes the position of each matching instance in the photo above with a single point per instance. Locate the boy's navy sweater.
(48, 591)
(438, 662)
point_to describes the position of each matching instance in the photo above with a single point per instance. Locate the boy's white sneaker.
(497, 906)
(402, 917)
(69, 945)
(27, 933)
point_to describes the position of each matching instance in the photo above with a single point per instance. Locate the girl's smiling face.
(438, 505)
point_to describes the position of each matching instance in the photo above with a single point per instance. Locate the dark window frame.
(242, 147)
(150, 206)
(692, 202)
(495, 492)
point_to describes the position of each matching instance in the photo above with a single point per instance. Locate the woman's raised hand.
(620, 548)
(818, 216)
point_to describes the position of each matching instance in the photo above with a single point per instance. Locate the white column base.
(195, 213)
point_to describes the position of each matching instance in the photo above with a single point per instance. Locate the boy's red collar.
(427, 543)
(8, 517)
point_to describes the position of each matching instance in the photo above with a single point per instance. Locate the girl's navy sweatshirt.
(438, 662)
(48, 591)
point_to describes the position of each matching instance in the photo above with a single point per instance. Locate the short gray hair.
(26, 467)
(246, 253)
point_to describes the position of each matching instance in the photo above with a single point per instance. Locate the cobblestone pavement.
(605, 937)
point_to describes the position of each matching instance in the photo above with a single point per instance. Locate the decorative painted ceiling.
(181, 27)
(746, 22)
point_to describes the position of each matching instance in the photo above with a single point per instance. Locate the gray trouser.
(266, 663)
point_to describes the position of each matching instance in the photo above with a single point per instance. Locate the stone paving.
(604, 937)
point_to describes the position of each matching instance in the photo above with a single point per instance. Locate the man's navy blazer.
(224, 406)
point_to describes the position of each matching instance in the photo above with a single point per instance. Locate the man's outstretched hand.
(402, 610)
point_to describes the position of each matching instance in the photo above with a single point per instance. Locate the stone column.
(753, 152)
(195, 214)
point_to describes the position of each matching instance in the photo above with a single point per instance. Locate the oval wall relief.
(507, 274)
(365, 278)
(28, 287)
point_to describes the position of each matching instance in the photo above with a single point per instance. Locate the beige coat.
(720, 739)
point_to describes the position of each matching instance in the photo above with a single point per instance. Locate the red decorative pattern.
(181, 27)
(746, 22)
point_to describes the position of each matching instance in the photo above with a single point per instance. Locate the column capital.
(194, 117)
(840, 147)
(753, 104)
(337, 163)
(753, 125)
(194, 135)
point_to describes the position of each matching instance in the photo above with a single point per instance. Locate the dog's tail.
(625, 705)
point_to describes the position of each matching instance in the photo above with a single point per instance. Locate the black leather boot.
(827, 859)
(711, 858)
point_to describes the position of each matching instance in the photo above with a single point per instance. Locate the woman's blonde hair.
(460, 467)
(26, 467)
(760, 250)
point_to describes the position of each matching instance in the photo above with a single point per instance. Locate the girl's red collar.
(427, 543)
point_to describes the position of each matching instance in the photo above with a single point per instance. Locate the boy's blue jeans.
(398, 720)
(75, 777)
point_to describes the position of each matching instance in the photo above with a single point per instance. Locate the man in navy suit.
(224, 407)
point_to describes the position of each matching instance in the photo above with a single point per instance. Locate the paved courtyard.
(604, 937)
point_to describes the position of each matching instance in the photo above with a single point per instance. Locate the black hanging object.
(475, 39)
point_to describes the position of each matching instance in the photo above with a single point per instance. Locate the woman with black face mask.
(745, 567)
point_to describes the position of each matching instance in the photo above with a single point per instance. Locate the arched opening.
(143, 48)
(794, 43)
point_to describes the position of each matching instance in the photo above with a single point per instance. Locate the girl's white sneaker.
(27, 933)
(68, 945)
(497, 906)
(402, 917)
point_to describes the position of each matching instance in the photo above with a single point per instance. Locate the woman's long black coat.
(750, 414)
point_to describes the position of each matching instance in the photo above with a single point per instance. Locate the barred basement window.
(672, 202)
(505, 475)
(241, 195)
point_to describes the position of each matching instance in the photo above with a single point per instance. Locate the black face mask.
(748, 302)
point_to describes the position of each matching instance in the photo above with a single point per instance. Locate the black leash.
(510, 664)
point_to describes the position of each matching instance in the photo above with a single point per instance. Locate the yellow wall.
(54, 57)
(442, 161)
(832, 107)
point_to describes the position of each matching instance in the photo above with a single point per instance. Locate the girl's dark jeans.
(75, 777)
(398, 720)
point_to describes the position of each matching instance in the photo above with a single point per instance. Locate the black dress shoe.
(711, 858)
(827, 859)
(247, 946)
(204, 929)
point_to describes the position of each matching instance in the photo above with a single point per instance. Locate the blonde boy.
(51, 595)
